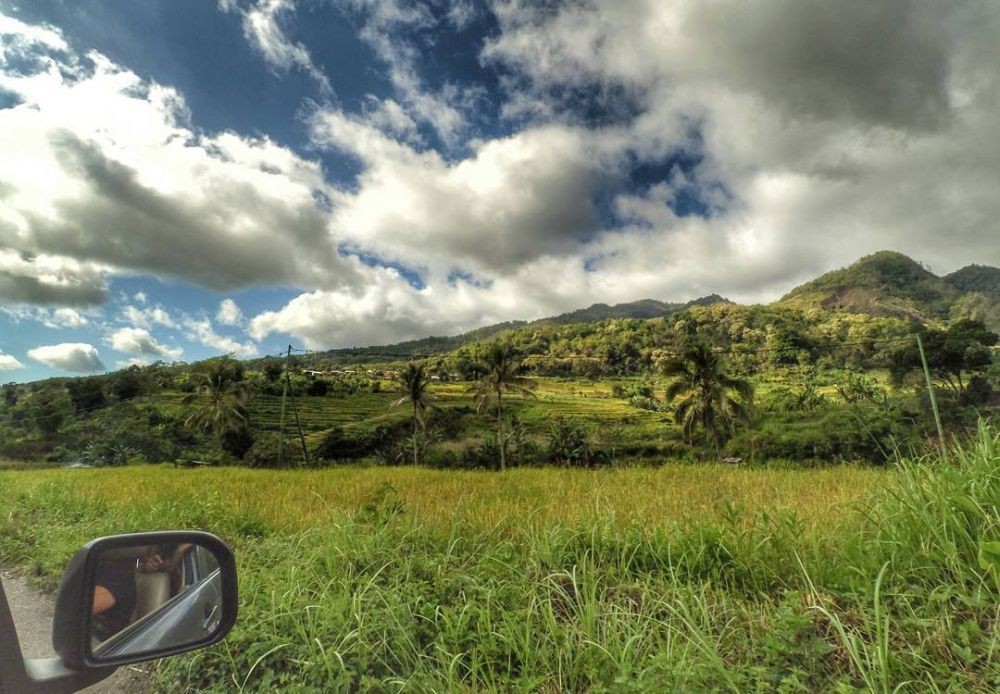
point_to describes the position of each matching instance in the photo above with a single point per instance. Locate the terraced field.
(586, 401)
(320, 413)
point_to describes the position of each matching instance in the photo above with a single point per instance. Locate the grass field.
(682, 578)
(290, 501)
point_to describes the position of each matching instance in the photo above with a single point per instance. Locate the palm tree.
(706, 394)
(501, 374)
(415, 382)
(222, 401)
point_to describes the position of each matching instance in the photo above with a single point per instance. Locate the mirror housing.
(159, 631)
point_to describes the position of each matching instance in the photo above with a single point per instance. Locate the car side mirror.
(129, 598)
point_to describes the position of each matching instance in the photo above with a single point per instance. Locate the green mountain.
(643, 309)
(981, 279)
(885, 284)
(891, 284)
(981, 298)
(882, 284)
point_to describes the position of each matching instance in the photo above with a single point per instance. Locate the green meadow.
(677, 578)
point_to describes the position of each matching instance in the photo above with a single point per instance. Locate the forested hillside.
(829, 372)
(891, 284)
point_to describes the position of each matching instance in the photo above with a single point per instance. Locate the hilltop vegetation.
(981, 279)
(825, 383)
(646, 308)
(891, 284)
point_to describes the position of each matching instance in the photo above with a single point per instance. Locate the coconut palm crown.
(501, 374)
(221, 400)
(415, 382)
(707, 397)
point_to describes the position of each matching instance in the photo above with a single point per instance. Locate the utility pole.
(295, 411)
(934, 405)
(281, 426)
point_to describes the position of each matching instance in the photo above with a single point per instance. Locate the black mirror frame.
(71, 623)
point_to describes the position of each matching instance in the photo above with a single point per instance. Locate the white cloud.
(46, 278)
(9, 363)
(809, 136)
(385, 22)
(66, 318)
(833, 132)
(811, 146)
(264, 26)
(201, 330)
(78, 357)
(139, 341)
(389, 117)
(103, 174)
(140, 297)
(147, 316)
(388, 309)
(229, 313)
(51, 318)
(19, 37)
(512, 200)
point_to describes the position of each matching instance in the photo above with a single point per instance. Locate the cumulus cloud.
(42, 278)
(835, 131)
(148, 316)
(9, 363)
(229, 313)
(651, 149)
(812, 134)
(133, 361)
(201, 330)
(66, 318)
(103, 173)
(389, 117)
(77, 357)
(51, 318)
(19, 37)
(512, 200)
(384, 311)
(140, 342)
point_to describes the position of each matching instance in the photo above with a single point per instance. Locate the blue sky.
(184, 178)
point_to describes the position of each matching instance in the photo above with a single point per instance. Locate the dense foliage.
(834, 364)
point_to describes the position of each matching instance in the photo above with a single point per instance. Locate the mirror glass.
(148, 598)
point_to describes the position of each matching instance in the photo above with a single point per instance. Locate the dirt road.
(32, 612)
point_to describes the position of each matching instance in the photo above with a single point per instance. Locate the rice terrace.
(616, 346)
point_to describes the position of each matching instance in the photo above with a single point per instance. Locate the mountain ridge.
(885, 283)
(888, 283)
(642, 309)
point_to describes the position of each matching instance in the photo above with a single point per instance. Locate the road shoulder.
(32, 610)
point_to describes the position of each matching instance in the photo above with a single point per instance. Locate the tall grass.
(294, 500)
(760, 593)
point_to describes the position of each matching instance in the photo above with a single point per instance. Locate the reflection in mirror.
(152, 597)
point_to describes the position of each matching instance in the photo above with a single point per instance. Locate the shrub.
(836, 434)
(978, 392)
(237, 441)
(264, 452)
(570, 444)
(318, 387)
